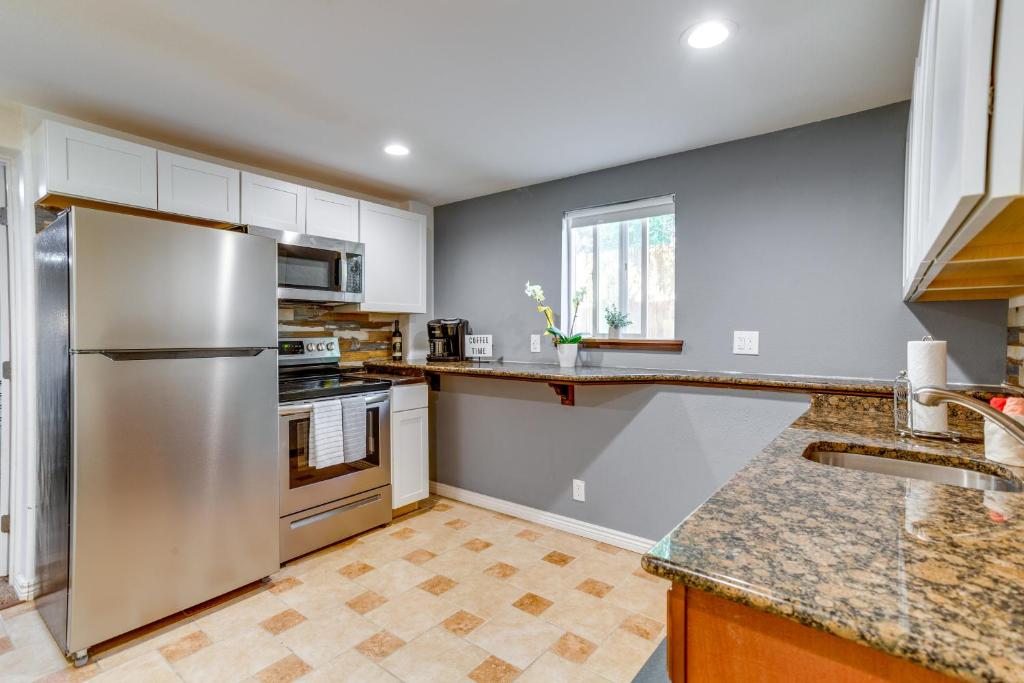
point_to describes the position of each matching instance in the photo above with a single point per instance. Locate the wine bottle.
(396, 343)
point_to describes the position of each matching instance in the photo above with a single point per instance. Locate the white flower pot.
(567, 354)
(614, 333)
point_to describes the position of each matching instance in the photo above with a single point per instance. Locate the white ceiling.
(489, 94)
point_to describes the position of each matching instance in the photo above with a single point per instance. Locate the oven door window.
(299, 471)
(305, 268)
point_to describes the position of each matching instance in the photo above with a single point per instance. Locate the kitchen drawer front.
(408, 397)
(309, 530)
(198, 188)
(83, 163)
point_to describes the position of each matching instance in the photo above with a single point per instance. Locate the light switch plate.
(535, 343)
(745, 342)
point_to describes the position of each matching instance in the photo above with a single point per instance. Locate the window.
(625, 256)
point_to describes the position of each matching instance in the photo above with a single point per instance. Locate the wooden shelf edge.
(58, 202)
(669, 345)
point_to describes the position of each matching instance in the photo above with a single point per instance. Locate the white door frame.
(5, 385)
(20, 276)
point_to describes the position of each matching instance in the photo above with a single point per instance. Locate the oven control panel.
(301, 350)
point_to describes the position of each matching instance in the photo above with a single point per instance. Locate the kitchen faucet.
(933, 396)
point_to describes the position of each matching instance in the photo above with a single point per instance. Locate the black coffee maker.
(447, 339)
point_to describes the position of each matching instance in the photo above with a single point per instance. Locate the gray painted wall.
(797, 234)
(649, 455)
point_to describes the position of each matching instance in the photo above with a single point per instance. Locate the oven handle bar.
(300, 408)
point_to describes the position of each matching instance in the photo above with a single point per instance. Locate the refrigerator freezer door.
(143, 283)
(175, 486)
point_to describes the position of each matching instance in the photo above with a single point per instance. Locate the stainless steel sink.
(912, 469)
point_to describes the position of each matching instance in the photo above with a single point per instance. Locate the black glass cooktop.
(309, 383)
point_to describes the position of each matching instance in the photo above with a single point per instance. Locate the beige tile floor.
(454, 593)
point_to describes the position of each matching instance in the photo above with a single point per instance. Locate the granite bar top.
(929, 572)
(549, 372)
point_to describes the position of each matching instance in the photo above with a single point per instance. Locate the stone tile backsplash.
(361, 336)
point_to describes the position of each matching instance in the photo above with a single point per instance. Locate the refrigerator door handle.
(158, 354)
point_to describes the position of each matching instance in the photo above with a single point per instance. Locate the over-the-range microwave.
(313, 268)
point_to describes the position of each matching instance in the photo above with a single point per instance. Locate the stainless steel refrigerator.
(157, 386)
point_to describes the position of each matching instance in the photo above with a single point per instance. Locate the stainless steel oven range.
(320, 506)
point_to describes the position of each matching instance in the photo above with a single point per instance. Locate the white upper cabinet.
(81, 163)
(960, 79)
(272, 203)
(197, 188)
(396, 259)
(332, 215)
(1005, 149)
(917, 167)
(948, 167)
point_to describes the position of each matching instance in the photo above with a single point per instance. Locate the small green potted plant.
(616, 320)
(566, 344)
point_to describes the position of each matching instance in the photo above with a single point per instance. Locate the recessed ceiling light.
(396, 150)
(708, 33)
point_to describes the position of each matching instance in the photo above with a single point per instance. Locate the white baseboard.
(619, 539)
(23, 588)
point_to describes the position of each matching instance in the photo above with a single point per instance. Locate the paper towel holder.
(903, 414)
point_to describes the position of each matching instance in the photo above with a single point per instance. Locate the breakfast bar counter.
(564, 380)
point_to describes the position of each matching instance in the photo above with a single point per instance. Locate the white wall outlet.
(579, 490)
(744, 343)
(535, 343)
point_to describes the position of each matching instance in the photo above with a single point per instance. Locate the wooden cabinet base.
(713, 639)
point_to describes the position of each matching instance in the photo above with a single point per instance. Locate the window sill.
(670, 345)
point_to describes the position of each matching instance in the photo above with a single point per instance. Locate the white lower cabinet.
(410, 445)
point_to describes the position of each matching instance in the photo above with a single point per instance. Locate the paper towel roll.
(926, 366)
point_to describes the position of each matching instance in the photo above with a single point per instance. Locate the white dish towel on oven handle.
(326, 434)
(353, 410)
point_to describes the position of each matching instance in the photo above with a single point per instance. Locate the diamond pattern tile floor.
(449, 593)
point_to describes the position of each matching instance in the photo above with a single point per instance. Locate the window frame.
(568, 279)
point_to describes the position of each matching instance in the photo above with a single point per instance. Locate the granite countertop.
(930, 572)
(581, 374)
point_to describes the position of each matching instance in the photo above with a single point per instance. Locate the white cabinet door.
(197, 188)
(332, 215)
(960, 75)
(1006, 137)
(272, 203)
(410, 457)
(395, 269)
(86, 164)
(918, 154)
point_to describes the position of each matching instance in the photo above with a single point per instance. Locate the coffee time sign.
(479, 346)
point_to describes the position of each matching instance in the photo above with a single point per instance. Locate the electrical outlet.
(579, 490)
(535, 343)
(745, 343)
